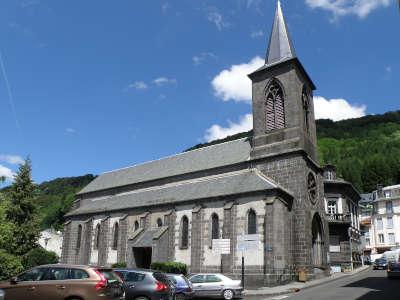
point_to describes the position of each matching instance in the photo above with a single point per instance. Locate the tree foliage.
(39, 256)
(22, 211)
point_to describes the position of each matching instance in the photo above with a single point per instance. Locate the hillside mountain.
(366, 151)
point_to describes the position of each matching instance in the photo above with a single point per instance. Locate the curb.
(296, 290)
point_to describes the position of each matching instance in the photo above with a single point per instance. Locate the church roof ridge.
(213, 186)
(210, 157)
(170, 156)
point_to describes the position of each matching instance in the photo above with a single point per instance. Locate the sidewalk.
(297, 286)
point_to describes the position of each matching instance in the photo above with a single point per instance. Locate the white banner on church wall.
(221, 246)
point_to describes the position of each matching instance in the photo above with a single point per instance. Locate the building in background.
(365, 211)
(382, 232)
(341, 208)
(51, 240)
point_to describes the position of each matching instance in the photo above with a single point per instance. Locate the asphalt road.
(369, 285)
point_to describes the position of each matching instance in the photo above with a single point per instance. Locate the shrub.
(39, 256)
(170, 267)
(119, 265)
(10, 265)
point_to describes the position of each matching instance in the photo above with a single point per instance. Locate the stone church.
(269, 185)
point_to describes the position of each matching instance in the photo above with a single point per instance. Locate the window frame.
(115, 240)
(184, 233)
(79, 237)
(96, 241)
(251, 213)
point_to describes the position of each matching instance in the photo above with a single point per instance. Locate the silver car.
(215, 286)
(2, 294)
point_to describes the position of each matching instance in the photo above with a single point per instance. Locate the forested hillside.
(366, 151)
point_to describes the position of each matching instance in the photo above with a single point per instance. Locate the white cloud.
(70, 130)
(256, 34)
(202, 57)
(163, 81)
(337, 109)
(360, 8)
(12, 159)
(218, 132)
(6, 172)
(233, 83)
(388, 69)
(137, 85)
(215, 17)
(165, 7)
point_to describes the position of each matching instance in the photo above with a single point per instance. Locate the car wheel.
(228, 294)
(180, 296)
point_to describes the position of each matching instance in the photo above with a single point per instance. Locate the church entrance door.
(142, 257)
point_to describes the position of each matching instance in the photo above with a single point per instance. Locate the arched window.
(184, 232)
(251, 222)
(97, 237)
(78, 242)
(306, 109)
(159, 222)
(275, 108)
(214, 227)
(115, 236)
(136, 226)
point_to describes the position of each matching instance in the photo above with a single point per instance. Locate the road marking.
(279, 297)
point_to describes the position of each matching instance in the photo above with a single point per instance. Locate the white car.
(2, 294)
(215, 286)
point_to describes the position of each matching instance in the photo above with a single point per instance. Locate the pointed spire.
(280, 45)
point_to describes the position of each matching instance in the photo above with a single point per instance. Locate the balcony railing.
(342, 218)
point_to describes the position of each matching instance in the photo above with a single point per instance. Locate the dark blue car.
(183, 287)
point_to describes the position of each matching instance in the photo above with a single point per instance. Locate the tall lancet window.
(306, 109)
(275, 109)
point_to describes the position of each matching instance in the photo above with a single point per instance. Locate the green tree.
(39, 256)
(22, 211)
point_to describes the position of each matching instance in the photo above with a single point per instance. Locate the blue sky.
(91, 86)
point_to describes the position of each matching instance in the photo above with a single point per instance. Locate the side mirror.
(14, 280)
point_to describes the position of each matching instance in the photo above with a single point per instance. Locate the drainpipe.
(349, 232)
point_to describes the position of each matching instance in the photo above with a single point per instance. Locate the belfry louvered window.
(275, 108)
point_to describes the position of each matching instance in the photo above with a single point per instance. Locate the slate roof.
(210, 157)
(232, 183)
(146, 238)
(280, 45)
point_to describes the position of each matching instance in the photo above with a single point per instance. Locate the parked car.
(380, 264)
(216, 286)
(393, 270)
(59, 282)
(183, 287)
(2, 294)
(146, 284)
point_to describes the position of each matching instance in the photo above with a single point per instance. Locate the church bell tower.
(283, 112)
(284, 145)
